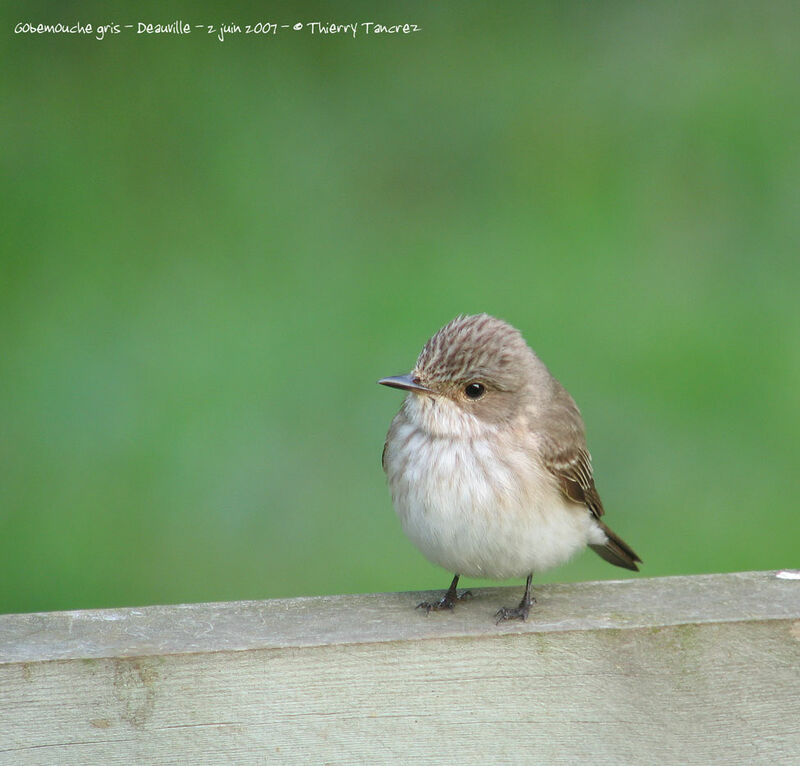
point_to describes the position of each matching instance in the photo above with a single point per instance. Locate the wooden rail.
(678, 670)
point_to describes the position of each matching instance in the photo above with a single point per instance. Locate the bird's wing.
(573, 468)
(383, 455)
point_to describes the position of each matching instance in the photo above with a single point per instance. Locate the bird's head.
(473, 373)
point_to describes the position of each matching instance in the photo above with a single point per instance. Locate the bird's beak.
(406, 382)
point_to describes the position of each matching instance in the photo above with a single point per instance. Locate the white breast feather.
(471, 513)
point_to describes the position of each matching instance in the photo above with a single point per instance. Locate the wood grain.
(689, 670)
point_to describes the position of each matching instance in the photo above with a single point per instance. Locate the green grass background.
(211, 252)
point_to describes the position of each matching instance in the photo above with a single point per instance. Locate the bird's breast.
(478, 474)
(480, 506)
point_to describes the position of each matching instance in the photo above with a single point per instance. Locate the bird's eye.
(475, 390)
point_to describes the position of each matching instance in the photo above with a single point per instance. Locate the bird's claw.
(448, 601)
(520, 612)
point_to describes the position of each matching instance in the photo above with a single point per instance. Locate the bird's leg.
(448, 601)
(518, 612)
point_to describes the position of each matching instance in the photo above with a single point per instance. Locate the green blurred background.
(211, 251)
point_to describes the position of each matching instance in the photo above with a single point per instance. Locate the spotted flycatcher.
(487, 462)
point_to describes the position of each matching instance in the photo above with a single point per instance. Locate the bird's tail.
(615, 550)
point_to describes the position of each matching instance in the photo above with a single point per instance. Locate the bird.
(487, 463)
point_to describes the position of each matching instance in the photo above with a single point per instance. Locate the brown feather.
(616, 551)
(573, 469)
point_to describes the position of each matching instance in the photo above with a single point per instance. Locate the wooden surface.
(683, 670)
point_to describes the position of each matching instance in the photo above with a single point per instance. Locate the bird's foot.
(514, 612)
(450, 599)
(517, 612)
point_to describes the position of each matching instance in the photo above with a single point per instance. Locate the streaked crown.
(475, 347)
